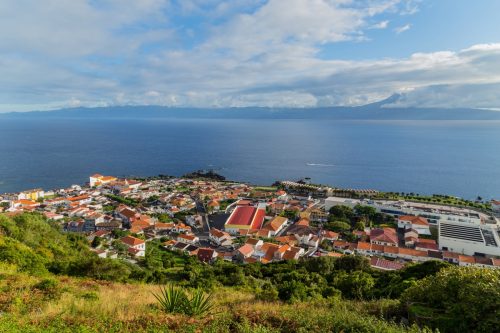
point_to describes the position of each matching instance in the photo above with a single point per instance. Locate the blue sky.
(290, 53)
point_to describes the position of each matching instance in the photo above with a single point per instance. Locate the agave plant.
(175, 300)
(172, 299)
(200, 304)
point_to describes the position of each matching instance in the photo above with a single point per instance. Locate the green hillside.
(51, 282)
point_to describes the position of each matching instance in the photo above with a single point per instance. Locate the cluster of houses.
(259, 225)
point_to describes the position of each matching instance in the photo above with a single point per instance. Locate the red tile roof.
(385, 264)
(242, 215)
(364, 246)
(258, 219)
(246, 250)
(205, 254)
(217, 233)
(412, 252)
(467, 259)
(187, 237)
(414, 219)
(276, 223)
(132, 241)
(428, 241)
(427, 246)
(387, 235)
(304, 222)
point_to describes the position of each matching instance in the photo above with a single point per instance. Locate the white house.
(136, 246)
(276, 225)
(417, 223)
(220, 237)
(31, 194)
(189, 239)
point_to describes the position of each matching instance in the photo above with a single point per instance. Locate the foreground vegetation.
(63, 304)
(50, 281)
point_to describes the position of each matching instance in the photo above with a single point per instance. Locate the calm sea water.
(453, 157)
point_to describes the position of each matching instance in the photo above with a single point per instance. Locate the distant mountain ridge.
(373, 111)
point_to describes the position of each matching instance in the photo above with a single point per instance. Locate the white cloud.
(265, 53)
(380, 25)
(402, 29)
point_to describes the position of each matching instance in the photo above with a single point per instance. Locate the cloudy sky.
(291, 53)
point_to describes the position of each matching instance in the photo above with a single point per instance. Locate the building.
(469, 239)
(276, 225)
(219, 237)
(189, 239)
(245, 251)
(385, 237)
(98, 180)
(206, 255)
(213, 205)
(417, 223)
(495, 205)
(410, 237)
(136, 246)
(384, 264)
(34, 194)
(245, 218)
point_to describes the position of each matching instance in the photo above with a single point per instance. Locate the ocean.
(460, 158)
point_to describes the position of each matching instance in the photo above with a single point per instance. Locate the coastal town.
(214, 219)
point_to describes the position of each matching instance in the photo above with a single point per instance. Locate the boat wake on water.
(320, 164)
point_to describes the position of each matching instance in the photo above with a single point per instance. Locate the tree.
(96, 242)
(268, 292)
(341, 212)
(323, 265)
(367, 211)
(355, 285)
(359, 226)
(337, 226)
(291, 291)
(119, 247)
(457, 299)
(352, 263)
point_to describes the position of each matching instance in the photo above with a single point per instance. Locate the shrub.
(46, 285)
(49, 287)
(90, 296)
(457, 299)
(267, 292)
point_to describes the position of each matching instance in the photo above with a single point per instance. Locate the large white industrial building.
(461, 230)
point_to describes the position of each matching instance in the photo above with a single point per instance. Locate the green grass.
(266, 188)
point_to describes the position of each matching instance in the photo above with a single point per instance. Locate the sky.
(276, 53)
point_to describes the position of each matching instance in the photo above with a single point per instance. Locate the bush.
(267, 292)
(457, 299)
(49, 287)
(355, 285)
(46, 285)
(90, 296)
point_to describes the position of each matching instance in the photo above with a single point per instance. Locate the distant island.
(382, 110)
